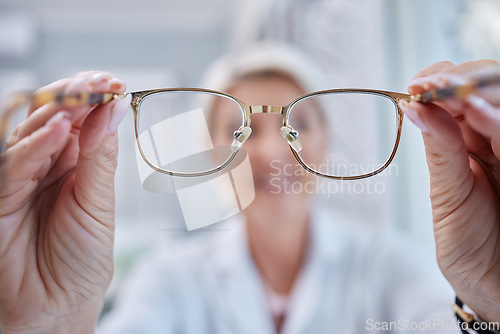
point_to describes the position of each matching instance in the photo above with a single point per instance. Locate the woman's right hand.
(57, 211)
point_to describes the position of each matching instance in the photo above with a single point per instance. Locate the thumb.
(97, 160)
(447, 158)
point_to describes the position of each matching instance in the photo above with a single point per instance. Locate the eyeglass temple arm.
(426, 97)
(20, 98)
(9, 105)
(457, 90)
(81, 99)
(76, 99)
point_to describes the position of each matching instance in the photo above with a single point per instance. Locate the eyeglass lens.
(177, 132)
(342, 134)
(345, 134)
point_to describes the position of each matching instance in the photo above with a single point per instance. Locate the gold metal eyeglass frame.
(240, 134)
(287, 130)
(244, 131)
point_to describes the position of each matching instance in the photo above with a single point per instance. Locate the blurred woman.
(286, 266)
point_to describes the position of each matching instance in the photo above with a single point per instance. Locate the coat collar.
(245, 290)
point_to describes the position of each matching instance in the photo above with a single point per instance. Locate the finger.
(490, 94)
(433, 69)
(101, 82)
(38, 118)
(445, 73)
(117, 84)
(94, 175)
(97, 74)
(459, 75)
(89, 83)
(440, 80)
(478, 110)
(485, 119)
(23, 165)
(446, 153)
(474, 69)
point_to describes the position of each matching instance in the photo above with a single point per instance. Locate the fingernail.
(117, 84)
(119, 110)
(412, 114)
(57, 118)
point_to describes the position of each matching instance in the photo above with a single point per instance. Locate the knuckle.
(13, 138)
(11, 141)
(445, 64)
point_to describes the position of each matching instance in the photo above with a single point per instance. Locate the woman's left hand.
(462, 143)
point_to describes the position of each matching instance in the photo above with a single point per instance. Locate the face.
(280, 182)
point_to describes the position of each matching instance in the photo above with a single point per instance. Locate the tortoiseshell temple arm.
(80, 99)
(456, 91)
(18, 99)
(8, 106)
(73, 100)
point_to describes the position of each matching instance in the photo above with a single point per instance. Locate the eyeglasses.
(9, 106)
(342, 134)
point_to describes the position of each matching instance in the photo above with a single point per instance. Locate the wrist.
(484, 309)
(88, 328)
(78, 324)
(470, 322)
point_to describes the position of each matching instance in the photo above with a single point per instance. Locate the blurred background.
(376, 44)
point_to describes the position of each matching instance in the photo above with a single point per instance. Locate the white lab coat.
(353, 282)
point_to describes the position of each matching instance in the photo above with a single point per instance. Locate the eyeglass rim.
(136, 101)
(139, 96)
(393, 96)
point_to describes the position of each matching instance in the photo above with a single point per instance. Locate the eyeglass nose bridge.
(267, 110)
(287, 132)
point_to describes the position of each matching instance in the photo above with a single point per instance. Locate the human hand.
(57, 211)
(462, 144)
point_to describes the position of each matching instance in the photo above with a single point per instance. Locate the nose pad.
(240, 137)
(291, 136)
